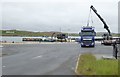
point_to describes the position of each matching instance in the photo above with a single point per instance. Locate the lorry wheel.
(82, 46)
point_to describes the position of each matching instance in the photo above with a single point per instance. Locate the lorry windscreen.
(87, 33)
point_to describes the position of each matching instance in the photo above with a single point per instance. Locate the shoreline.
(10, 43)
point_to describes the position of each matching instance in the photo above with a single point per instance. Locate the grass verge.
(89, 65)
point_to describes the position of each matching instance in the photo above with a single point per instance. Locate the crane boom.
(105, 25)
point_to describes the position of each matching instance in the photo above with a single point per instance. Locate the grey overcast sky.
(51, 15)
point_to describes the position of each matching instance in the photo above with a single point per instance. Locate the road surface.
(45, 59)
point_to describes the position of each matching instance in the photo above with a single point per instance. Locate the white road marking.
(77, 64)
(1, 46)
(72, 68)
(37, 57)
(3, 66)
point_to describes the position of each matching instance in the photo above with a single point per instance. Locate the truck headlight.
(92, 44)
(81, 43)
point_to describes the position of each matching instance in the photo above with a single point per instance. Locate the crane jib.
(105, 25)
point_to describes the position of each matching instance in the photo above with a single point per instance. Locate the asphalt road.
(45, 59)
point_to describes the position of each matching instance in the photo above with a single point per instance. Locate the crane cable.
(90, 16)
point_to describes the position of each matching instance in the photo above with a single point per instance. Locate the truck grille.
(87, 42)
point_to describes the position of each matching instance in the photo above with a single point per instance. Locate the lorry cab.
(87, 37)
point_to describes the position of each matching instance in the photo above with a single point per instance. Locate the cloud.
(50, 15)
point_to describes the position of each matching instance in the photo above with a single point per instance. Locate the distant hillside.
(30, 33)
(25, 33)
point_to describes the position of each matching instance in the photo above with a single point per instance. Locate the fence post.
(115, 50)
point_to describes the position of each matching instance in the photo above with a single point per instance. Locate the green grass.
(89, 65)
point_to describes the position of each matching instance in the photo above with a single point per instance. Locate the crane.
(107, 38)
(109, 41)
(105, 25)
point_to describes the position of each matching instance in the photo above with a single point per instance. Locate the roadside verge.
(87, 64)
